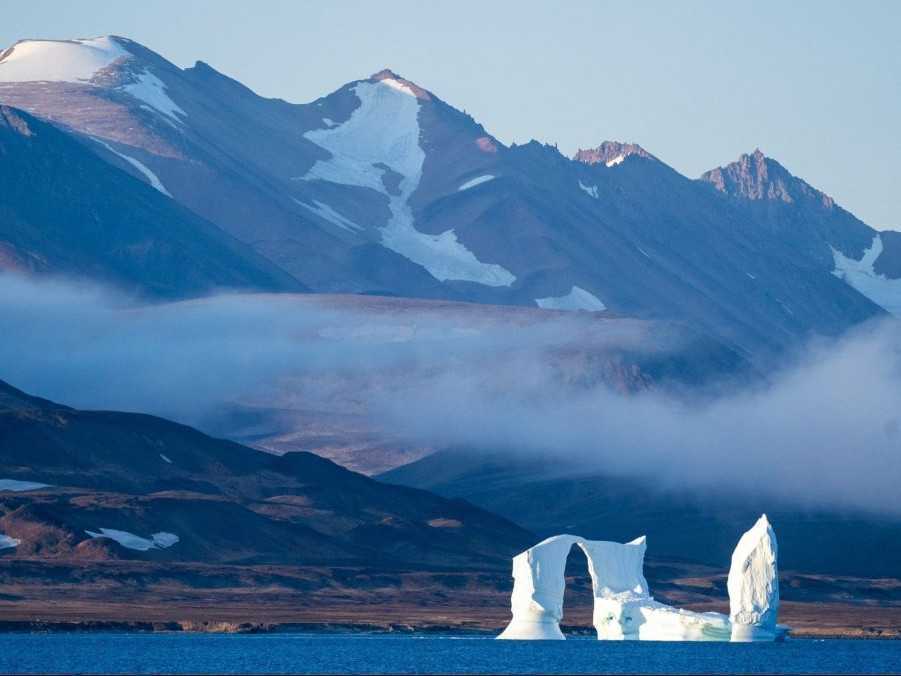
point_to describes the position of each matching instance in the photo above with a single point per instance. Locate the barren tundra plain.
(142, 596)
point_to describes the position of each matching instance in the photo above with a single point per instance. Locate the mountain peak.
(384, 74)
(755, 176)
(393, 79)
(611, 153)
(60, 60)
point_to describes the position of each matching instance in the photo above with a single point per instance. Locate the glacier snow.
(384, 130)
(860, 275)
(623, 606)
(577, 299)
(59, 60)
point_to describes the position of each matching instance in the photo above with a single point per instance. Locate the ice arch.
(623, 606)
(539, 581)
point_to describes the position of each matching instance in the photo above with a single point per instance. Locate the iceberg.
(753, 585)
(538, 584)
(623, 606)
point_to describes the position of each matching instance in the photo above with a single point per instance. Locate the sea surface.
(299, 653)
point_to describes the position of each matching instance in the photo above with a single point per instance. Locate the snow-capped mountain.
(381, 187)
(63, 210)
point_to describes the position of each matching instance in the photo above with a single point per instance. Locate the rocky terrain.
(106, 486)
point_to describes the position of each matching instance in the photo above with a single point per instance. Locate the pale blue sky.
(816, 84)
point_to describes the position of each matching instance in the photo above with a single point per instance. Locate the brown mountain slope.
(224, 502)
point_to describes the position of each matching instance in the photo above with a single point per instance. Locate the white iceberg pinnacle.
(753, 585)
(623, 606)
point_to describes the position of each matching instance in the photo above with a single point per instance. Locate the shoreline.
(343, 628)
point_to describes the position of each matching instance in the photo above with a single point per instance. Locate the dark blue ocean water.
(292, 653)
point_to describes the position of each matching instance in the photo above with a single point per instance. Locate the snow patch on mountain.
(384, 130)
(152, 178)
(59, 60)
(478, 180)
(16, 486)
(166, 459)
(150, 89)
(6, 542)
(591, 190)
(326, 212)
(860, 275)
(577, 299)
(161, 540)
(616, 160)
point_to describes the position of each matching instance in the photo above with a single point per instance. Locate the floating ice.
(623, 606)
(753, 584)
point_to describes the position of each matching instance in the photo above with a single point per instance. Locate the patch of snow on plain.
(164, 540)
(165, 458)
(861, 276)
(16, 486)
(478, 180)
(592, 190)
(151, 90)
(384, 129)
(128, 540)
(577, 299)
(329, 214)
(6, 542)
(616, 160)
(59, 60)
(152, 178)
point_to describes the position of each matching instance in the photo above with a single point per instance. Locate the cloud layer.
(825, 431)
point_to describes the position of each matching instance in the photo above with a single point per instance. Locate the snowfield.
(591, 190)
(59, 60)
(16, 486)
(860, 274)
(6, 542)
(152, 178)
(384, 129)
(478, 180)
(577, 299)
(151, 90)
(329, 214)
(128, 540)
